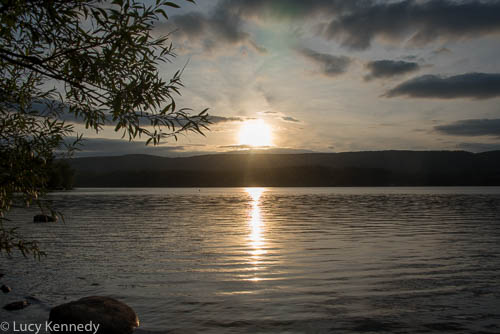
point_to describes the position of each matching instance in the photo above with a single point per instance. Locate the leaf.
(171, 4)
(162, 12)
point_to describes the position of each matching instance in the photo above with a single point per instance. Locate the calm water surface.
(272, 260)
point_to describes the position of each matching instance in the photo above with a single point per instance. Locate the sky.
(333, 76)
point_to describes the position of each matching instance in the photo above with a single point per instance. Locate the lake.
(271, 260)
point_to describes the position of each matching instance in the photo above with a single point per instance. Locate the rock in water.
(5, 289)
(44, 219)
(16, 305)
(112, 316)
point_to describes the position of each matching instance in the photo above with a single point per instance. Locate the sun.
(255, 133)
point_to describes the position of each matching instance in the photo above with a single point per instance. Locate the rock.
(16, 305)
(112, 316)
(5, 289)
(44, 219)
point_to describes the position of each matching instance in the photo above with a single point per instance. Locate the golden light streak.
(256, 225)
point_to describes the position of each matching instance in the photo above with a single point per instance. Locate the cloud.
(215, 30)
(71, 118)
(288, 9)
(242, 147)
(225, 24)
(389, 68)
(424, 21)
(329, 65)
(471, 128)
(356, 23)
(478, 147)
(442, 51)
(108, 147)
(470, 85)
(290, 119)
(222, 119)
(226, 28)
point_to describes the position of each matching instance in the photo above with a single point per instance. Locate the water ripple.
(275, 260)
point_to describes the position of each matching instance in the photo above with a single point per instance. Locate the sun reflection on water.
(256, 239)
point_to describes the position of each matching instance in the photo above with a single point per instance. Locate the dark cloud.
(293, 9)
(389, 68)
(471, 127)
(470, 85)
(225, 23)
(216, 29)
(222, 119)
(226, 27)
(356, 23)
(109, 147)
(290, 119)
(66, 116)
(329, 65)
(61, 111)
(63, 114)
(424, 21)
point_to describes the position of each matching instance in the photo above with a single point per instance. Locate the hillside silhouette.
(377, 168)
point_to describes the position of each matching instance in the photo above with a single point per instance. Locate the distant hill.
(378, 168)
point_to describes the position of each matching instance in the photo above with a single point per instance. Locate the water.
(272, 260)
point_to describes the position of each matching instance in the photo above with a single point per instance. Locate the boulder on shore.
(44, 219)
(112, 316)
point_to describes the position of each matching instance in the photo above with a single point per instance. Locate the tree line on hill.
(61, 176)
(389, 168)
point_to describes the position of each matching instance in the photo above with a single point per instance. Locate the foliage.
(61, 176)
(96, 61)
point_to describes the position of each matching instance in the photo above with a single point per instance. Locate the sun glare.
(255, 133)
